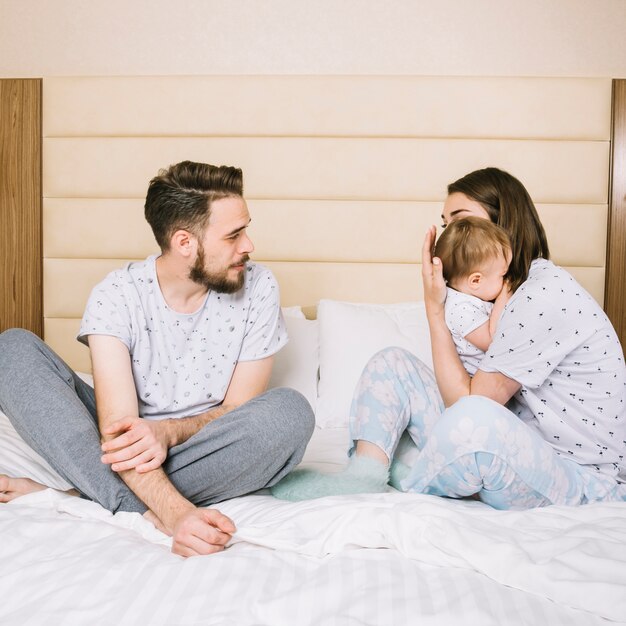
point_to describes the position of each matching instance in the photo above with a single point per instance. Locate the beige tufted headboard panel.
(342, 174)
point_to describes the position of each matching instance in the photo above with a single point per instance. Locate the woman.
(543, 420)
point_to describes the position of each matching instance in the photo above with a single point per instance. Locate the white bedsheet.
(384, 559)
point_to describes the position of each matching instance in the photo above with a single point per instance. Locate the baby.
(475, 254)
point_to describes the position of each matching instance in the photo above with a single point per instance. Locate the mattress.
(388, 558)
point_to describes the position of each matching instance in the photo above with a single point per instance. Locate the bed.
(342, 174)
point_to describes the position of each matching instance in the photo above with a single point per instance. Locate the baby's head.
(475, 254)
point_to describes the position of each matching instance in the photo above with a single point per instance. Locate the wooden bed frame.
(21, 249)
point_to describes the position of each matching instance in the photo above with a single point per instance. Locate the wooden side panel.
(20, 205)
(615, 290)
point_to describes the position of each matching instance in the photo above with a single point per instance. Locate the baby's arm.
(498, 307)
(481, 337)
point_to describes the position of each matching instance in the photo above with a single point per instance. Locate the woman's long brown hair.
(509, 206)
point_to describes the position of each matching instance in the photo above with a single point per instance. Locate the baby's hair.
(467, 244)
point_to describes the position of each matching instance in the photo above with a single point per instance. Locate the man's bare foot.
(151, 517)
(11, 488)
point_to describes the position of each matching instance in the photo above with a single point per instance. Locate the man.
(181, 348)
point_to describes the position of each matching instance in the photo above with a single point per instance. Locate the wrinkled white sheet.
(561, 553)
(371, 560)
(575, 557)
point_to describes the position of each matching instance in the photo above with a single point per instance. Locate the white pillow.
(297, 364)
(350, 334)
(293, 311)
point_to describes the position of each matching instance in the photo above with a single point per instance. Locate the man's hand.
(201, 531)
(137, 444)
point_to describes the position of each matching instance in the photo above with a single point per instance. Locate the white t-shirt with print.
(555, 340)
(464, 314)
(182, 363)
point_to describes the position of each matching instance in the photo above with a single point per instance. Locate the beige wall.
(449, 37)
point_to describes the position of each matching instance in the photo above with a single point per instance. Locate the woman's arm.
(494, 385)
(452, 379)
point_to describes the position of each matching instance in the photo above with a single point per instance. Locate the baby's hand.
(505, 293)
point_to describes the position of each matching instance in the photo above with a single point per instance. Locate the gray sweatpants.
(54, 411)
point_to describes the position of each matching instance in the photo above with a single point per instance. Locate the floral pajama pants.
(476, 446)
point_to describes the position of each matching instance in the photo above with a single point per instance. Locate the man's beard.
(217, 281)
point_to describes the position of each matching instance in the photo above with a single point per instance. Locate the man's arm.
(143, 444)
(249, 380)
(195, 531)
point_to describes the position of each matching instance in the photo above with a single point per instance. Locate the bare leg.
(12, 488)
(371, 450)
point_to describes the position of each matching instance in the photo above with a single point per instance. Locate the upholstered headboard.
(342, 174)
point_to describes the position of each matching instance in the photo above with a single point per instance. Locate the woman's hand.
(452, 379)
(432, 276)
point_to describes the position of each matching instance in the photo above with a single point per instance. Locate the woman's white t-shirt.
(555, 340)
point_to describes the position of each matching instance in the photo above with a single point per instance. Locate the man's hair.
(180, 197)
(510, 206)
(467, 244)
